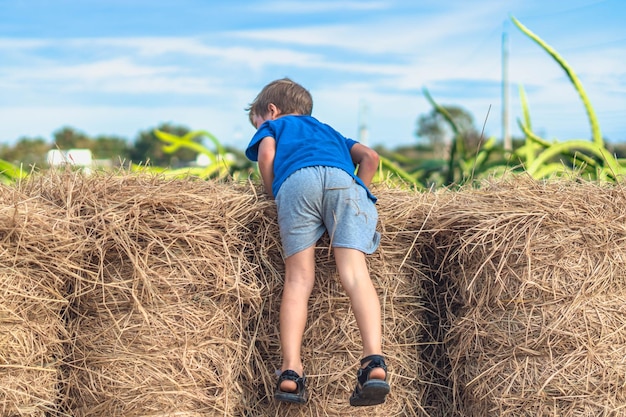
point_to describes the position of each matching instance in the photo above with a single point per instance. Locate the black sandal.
(370, 391)
(299, 396)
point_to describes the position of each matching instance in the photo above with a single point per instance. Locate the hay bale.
(331, 345)
(157, 324)
(537, 360)
(506, 300)
(542, 241)
(37, 256)
(537, 278)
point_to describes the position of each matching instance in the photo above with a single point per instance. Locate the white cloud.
(118, 75)
(9, 44)
(290, 7)
(386, 35)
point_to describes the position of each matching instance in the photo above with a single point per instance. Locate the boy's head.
(288, 97)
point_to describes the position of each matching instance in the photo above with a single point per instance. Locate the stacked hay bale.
(537, 275)
(38, 254)
(157, 321)
(137, 295)
(332, 345)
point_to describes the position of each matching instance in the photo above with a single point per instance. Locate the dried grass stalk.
(157, 318)
(36, 259)
(332, 344)
(537, 278)
(135, 295)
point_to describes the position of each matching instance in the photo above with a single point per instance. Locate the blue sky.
(118, 67)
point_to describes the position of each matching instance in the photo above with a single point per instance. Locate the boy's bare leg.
(355, 279)
(299, 280)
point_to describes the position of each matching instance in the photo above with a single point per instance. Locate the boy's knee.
(300, 278)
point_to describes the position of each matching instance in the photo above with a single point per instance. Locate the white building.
(80, 158)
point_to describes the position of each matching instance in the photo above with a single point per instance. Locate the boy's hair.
(290, 97)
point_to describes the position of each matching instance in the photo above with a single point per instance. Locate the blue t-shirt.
(303, 141)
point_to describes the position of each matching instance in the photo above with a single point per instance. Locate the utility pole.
(506, 136)
(363, 132)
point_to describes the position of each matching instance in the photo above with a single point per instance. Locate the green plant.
(542, 159)
(220, 165)
(390, 172)
(10, 173)
(464, 166)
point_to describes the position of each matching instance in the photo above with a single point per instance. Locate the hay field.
(135, 295)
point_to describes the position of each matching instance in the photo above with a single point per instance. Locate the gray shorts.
(315, 199)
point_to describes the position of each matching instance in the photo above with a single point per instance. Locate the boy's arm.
(267, 152)
(367, 160)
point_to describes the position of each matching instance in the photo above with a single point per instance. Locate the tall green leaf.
(593, 120)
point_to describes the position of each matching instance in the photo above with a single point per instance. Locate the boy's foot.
(370, 390)
(299, 395)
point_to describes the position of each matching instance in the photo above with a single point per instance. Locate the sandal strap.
(375, 361)
(290, 375)
(378, 359)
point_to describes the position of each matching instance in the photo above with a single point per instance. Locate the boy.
(309, 168)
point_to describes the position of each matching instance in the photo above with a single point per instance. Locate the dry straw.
(37, 258)
(332, 345)
(174, 310)
(158, 319)
(536, 275)
(136, 295)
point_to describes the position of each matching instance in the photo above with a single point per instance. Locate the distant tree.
(619, 149)
(69, 138)
(147, 148)
(26, 152)
(111, 147)
(438, 132)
